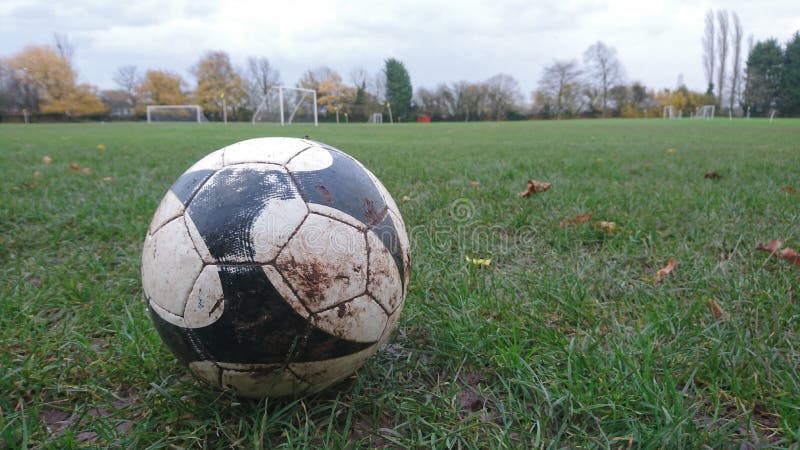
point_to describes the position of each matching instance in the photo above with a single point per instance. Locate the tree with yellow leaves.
(160, 87)
(333, 95)
(218, 84)
(50, 78)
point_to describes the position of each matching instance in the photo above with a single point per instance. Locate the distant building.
(120, 104)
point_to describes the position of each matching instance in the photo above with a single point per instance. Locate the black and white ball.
(276, 266)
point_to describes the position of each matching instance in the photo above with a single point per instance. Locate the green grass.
(563, 341)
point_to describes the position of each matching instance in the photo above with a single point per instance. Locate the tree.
(334, 95)
(261, 78)
(502, 95)
(560, 87)
(160, 87)
(604, 69)
(763, 72)
(722, 45)
(126, 78)
(47, 83)
(469, 100)
(790, 80)
(399, 92)
(709, 55)
(736, 39)
(218, 84)
(439, 102)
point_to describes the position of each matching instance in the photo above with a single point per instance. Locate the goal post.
(175, 113)
(301, 95)
(705, 112)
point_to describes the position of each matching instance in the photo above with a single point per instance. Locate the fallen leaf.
(608, 227)
(711, 175)
(86, 171)
(47, 159)
(475, 184)
(108, 179)
(406, 198)
(534, 187)
(788, 190)
(671, 150)
(715, 308)
(73, 167)
(577, 220)
(479, 262)
(101, 147)
(790, 255)
(37, 174)
(664, 271)
(772, 246)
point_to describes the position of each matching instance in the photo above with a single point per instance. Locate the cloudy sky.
(439, 41)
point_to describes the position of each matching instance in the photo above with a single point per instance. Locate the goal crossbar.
(297, 105)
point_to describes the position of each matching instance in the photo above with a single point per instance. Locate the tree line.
(41, 81)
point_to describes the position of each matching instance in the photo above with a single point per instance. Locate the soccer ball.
(276, 267)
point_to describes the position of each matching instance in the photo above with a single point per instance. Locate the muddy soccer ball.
(275, 267)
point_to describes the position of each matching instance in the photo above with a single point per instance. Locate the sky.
(438, 41)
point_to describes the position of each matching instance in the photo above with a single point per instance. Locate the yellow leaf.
(479, 261)
(664, 271)
(101, 147)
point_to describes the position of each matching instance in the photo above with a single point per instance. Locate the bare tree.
(736, 38)
(709, 54)
(560, 83)
(469, 99)
(604, 69)
(64, 47)
(722, 48)
(260, 76)
(502, 95)
(127, 78)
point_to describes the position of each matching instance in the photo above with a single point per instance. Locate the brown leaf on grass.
(37, 174)
(772, 246)
(86, 171)
(406, 198)
(475, 184)
(664, 271)
(108, 179)
(577, 220)
(535, 187)
(715, 308)
(790, 255)
(789, 190)
(74, 167)
(47, 159)
(711, 175)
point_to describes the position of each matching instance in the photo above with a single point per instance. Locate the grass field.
(564, 340)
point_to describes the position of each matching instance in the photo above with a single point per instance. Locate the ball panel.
(169, 208)
(187, 185)
(176, 338)
(206, 371)
(237, 200)
(166, 315)
(170, 265)
(388, 234)
(197, 240)
(359, 320)
(335, 214)
(286, 292)
(325, 262)
(212, 161)
(385, 283)
(324, 373)
(333, 179)
(256, 384)
(206, 301)
(405, 248)
(391, 324)
(274, 150)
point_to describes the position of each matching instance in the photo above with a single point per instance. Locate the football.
(275, 267)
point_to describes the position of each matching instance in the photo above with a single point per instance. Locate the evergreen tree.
(790, 78)
(398, 89)
(764, 67)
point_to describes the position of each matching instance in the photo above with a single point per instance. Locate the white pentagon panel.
(384, 282)
(321, 374)
(275, 382)
(405, 246)
(334, 213)
(325, 262)
(359, 320)
(206, 300)
(274, 150)
(166, 315)
(197, 240)
(169, 208)
(205, 370)
(286, 292)
(315, 158)
(170, 265)
(212, 161)
(276, 223)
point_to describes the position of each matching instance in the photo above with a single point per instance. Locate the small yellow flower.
(479, 262)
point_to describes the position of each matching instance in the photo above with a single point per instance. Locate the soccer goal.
(290, 105)
(705, 112)
(376, 118)
(175, 113)
(670, 113)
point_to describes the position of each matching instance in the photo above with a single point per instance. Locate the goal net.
(288, 105)
(705, 112)
(175, 113)
(670, 113)
(376, 118)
